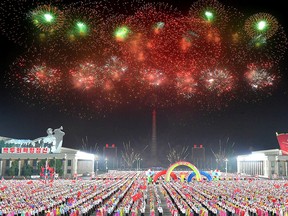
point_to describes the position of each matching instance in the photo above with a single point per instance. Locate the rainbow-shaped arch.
(182, 163)
(163, 172)
(203, 173)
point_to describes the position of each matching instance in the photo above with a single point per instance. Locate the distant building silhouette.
(198, 156)
(110, 153)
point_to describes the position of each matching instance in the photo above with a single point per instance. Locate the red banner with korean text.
(24, 150)
(283, 142)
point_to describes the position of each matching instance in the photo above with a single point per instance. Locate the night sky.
(249, 125)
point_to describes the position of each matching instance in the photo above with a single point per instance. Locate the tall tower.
(154, 135)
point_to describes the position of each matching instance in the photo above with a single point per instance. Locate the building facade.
(110, 155)
(74, 162)
(198, 156)
(267, 163)
(21, 152)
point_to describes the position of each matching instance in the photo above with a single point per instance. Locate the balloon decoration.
(183, 176)
(216, 174)
(182, 163)
(150, 174)
(203, 173)
(163, 172)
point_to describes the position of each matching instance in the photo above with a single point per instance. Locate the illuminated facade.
(73, 161)
(267, 163)
(19, 153)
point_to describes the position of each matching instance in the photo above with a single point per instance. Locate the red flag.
(187, 195)
(283, 142)
(137, 196)
(30, 182)
(3, 188)
(99, 213)
(237, 190)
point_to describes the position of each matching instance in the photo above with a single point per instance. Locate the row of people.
(61, 196)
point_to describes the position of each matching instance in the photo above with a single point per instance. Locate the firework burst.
(139, 34)
(261, 24)
(115, 69)
(177, 153)
(153, 77)
(129, 155)
(80, 33)
(213, 13)
(260, 77)
(40, 76)
(47, 18)
(35, 82)
(218, 80)
(92, 57)
(186, 41)
(225, 151)
(87, 76)
(186, 85)
(28, 22)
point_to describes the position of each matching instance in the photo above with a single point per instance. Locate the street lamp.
(138, 163)
(140, 159)
(137, 159)
(226, 164)
(96, 158)
(106, 164)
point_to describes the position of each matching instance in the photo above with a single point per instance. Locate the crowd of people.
(128, 193)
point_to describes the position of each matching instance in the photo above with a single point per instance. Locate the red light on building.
(113, 145)
(201, 146)
(195, 146)
(107, 145)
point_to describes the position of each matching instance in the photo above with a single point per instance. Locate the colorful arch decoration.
(182, 163)
(203, 173)
(163, 172)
